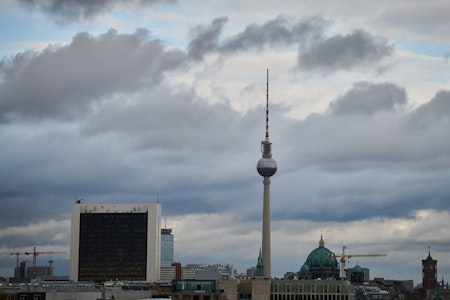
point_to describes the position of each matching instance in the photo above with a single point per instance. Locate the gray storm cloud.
(368, 98)
(67, 80)
(365, 152)
(66, 11)
(316, 51)
(274, 33)
(437, 111)
(345, 52)
(206, 39)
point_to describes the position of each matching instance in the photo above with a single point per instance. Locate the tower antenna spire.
(267, 106)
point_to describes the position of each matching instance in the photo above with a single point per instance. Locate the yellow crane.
(344, 257)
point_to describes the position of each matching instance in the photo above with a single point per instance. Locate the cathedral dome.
(321, 263)
(321, 257)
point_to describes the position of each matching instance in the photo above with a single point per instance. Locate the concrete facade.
(282, 289)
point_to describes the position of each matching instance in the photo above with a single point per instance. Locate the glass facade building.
(113, 246)
(166, 247)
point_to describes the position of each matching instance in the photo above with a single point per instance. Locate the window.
(117, 241)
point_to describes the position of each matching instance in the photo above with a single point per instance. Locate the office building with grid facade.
(115, 242)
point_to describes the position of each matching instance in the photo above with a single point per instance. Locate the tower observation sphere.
(266, 166)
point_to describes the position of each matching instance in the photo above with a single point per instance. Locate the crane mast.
(17, 257)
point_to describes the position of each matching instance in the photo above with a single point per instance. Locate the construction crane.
(36, 253)
(344, 257)
(17, 257)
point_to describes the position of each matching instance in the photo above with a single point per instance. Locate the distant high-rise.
(26, 270)
(166, 247)
(266, 168)
(115, 241)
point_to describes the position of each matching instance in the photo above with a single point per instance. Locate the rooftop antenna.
(266, 145)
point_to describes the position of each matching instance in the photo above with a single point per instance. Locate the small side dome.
(304, 268)
(357, 269)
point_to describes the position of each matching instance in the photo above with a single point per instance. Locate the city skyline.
(119, 102)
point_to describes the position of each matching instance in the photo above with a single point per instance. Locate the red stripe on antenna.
(267, 106)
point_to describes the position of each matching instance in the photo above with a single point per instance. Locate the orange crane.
(344, 257)
(36, 253)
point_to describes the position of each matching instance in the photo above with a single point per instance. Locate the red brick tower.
(429, 272)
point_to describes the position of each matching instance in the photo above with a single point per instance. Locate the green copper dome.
(357, 269)
(321, 257)
(321, 263)
(304, 268)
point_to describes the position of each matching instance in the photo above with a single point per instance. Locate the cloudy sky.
(135, 101)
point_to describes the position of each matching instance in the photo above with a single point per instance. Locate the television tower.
(266, 167)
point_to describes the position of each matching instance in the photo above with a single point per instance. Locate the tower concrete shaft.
(266, 257)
